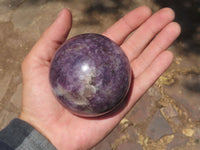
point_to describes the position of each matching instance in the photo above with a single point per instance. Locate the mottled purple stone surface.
(90, 75)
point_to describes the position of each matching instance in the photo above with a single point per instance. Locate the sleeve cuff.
(20, 135)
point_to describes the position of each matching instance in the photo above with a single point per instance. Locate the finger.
(146, 32)
(121, 29)
(153, 72)
(143, 82)
(53, 36)
(161, 42)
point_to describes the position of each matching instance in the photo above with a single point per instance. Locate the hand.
(146, 49)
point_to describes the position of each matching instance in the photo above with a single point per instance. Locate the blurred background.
(167, 117)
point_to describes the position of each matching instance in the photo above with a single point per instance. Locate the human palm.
(146, 50)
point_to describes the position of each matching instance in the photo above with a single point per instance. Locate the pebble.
(169, 111)
(188, 132)
(158, 127)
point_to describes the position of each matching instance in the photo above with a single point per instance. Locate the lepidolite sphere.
(90, 75)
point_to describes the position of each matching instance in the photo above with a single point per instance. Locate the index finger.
(122, 28)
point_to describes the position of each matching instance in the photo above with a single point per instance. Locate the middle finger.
(146, 32)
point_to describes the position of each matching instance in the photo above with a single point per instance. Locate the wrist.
(55, 131)
(44, 128)
(34, 123)
(21, 135)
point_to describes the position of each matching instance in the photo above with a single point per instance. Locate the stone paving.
(167, 117)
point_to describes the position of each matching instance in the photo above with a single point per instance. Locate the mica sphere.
(90, 75)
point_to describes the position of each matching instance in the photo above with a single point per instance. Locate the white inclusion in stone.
(78, 99)
(59, 90)
(85, 68)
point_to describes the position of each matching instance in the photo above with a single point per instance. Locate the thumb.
(52, 37)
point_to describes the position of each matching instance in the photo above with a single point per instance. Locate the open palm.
(146, 49)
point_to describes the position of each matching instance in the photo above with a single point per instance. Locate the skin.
(146, 49)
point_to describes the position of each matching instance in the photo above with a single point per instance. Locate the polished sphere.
(90, 75)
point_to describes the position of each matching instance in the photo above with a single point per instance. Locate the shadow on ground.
(105, 7)
(187, 14)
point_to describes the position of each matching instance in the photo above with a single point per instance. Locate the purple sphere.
(90, 75)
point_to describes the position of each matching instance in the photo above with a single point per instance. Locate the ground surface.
(167, 116)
